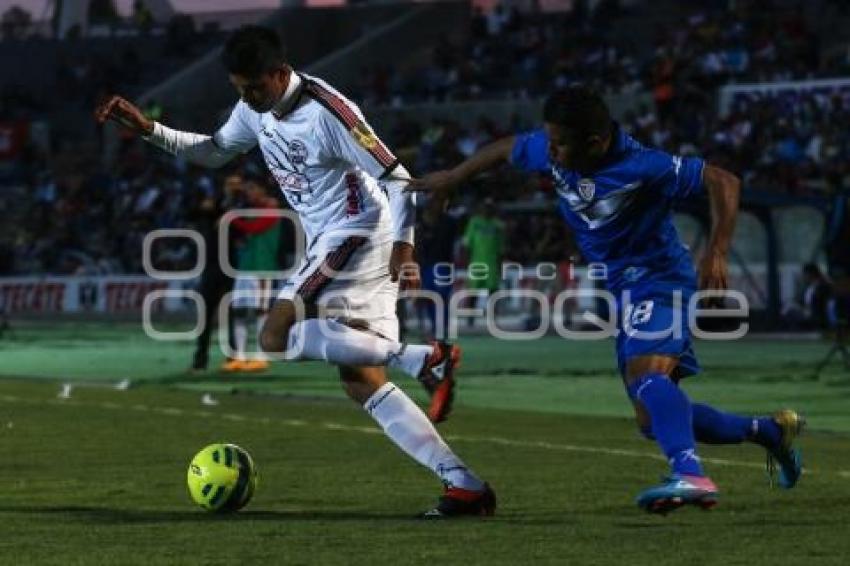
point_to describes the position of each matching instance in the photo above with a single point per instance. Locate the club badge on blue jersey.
(586, 189)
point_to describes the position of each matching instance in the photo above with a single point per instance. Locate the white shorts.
(349, 273)
(252, 292)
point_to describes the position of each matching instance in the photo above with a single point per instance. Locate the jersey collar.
(290, 98)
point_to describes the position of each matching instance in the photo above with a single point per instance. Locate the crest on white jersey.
(297, 152)
(586, 189)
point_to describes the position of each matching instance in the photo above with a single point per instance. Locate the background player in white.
(328, 163)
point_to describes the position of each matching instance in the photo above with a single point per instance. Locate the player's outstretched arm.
(126, 113)
(724, 190)
(199, 149)
(442, 183)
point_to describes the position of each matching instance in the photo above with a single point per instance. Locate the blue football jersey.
(621, 213)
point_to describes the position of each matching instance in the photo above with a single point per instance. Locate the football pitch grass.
(99, 477)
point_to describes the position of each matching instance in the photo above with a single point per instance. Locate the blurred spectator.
(810, 312)
(142, 16)
(15, 23)
(102, 12)
(436, 234)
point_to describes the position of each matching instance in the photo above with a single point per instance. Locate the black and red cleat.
(438, 378)
(456, 502)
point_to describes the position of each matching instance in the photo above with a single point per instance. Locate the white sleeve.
(196, 148)
(402, 205)
(234, 137)
(360, 146)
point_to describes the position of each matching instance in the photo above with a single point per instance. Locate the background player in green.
(259, 251)
(484, 238)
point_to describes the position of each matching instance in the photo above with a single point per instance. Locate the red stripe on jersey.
(352, 184)
(352, 121)
(333, 262)
(340, 108)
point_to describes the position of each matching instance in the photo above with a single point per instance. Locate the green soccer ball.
(222, 478)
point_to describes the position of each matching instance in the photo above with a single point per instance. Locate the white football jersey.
(325, 157)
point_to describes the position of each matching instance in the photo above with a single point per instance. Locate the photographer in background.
(809, 312)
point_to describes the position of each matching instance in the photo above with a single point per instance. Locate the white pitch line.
(500, 441)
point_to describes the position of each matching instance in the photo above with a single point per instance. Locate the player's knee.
(274, 336)
(274, 340)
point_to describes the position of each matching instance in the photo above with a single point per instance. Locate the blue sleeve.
(531, 152)
(676, 177)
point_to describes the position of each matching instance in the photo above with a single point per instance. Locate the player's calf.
(408, 427)
(360, 383)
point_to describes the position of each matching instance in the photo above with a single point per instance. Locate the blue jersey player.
(616, 196)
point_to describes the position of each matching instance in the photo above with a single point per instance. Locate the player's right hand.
(125, 113)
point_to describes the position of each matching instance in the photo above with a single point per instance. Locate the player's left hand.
(403, 267)
(713, 275)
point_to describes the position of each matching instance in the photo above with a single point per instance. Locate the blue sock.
(716, 427)
(766, 432)
(670, 413)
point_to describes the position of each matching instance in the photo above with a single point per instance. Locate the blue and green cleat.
(678, 490)
(784, 458)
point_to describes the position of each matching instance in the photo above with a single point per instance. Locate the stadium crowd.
(81, 217)
(127, 55)
(511, 53)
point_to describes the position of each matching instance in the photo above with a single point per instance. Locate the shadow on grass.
(128, 516)
(108, 515)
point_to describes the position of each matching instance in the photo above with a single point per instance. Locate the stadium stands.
(792, 145)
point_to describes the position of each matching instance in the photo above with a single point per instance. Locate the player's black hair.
(578, 109)
(251, 51)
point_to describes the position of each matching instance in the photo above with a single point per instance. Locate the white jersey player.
(346, 187)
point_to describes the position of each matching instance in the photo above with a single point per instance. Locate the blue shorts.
(653, 320)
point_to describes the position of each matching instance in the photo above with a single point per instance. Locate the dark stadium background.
(760, 87)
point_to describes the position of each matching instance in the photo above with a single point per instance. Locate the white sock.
(261, 320)
(406, 425)
(240, 335)
(334, 342)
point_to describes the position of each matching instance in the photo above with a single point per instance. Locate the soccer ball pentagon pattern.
(222, 478)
